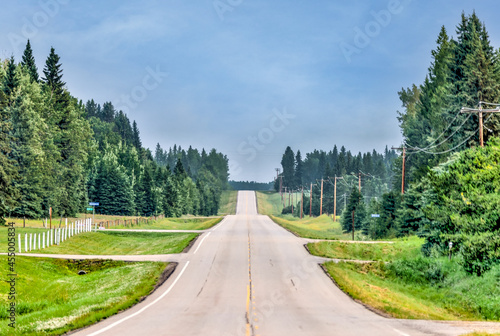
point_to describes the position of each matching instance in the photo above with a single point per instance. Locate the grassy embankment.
(228, 202)
(193, 223)
(115, 243)
(322, 227)
(53, 299)
(402, 283)
(403, 248)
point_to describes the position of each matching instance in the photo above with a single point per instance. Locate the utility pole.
(284, 199)
(480, 112)
(403, 174)
(359, 181)
(311, 201)
(335, 198)
(321, 200)
(302, 203)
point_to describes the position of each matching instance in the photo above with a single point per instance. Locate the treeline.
(373, 169)
(57, 152)
(251, 185)
(453, 193)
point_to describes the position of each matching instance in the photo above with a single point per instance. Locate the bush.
(420, 270)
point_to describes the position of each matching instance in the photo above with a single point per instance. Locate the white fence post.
(43, 240)
(30, 240)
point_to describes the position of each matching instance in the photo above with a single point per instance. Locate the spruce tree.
(288, 164)
(10, 81)
(53, 78)
(28, 62)
(136, 137)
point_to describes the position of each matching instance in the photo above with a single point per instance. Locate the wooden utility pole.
(311, 201)
(403, 172)
(321, 200)
(302, 203)
(480, 112)
(359, 181)
(335, 198)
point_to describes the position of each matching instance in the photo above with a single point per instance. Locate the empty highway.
(248, 276)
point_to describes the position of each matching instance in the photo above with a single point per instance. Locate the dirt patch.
(191, 243)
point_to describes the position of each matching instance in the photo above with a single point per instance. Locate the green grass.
(322, 227)
(228, 202)
(127, 243)
(421, 288)
(269, 203)
(407, 248)
(52, 299)
(202, 223)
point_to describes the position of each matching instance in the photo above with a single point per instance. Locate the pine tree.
(288, 164)
(298, 169)
(137, 138)
(29, 63)
(10, 81)
(53, 78)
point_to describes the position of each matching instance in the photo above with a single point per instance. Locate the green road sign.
(90, 209)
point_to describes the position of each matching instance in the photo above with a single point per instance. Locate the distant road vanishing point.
(248, 276)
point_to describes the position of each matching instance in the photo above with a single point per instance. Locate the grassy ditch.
(122, 243)
(53, 299)
(407, 248)
(228, 201)
(421, 288)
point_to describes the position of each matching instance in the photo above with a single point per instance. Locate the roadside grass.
(322, 227)
(198, 223)
(122, 243)
(401, 248)
(53, 299)
(269, 203)
(228, 202)
(421, 288)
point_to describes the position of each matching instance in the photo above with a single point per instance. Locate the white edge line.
(208, 234)
(142, 309)
(400, 332)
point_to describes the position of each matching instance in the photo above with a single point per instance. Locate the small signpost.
(93, 205)
(375, 215)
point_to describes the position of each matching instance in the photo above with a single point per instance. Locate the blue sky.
(246, 77)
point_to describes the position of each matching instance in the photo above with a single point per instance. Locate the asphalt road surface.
(248, 276)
